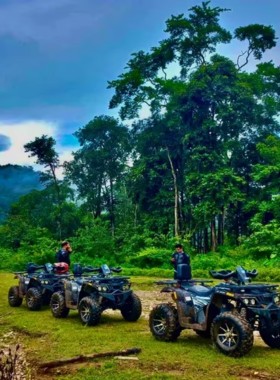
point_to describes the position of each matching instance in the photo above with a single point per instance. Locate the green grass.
(189, 358)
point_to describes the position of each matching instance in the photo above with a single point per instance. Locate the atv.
(37, 284)
(229, 312)
(92, 295)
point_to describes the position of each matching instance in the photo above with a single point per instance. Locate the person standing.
(179, 257)
(63, 255)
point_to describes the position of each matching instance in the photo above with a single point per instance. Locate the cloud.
(21, 133)
(59, 23)
(5, 143)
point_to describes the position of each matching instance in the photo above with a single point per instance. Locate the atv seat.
(201, 291)
(184, 272)
(78, 269)
(32, 267)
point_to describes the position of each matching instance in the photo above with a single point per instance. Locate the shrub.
(151, 258)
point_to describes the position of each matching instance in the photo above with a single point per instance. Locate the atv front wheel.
(270, 339)
(58, 307)
(164, 323)
(13, 297)
(34, 299)
(90, 311)
(232, 335)
(132, 309)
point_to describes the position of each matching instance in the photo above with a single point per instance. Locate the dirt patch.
(149, 300)
(251, 374)
(23, 331)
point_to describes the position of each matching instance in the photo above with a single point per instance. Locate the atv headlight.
(276, 299)
(246, 301)
(253, 301)
(104, 289)
(99, 288)
(126, 287)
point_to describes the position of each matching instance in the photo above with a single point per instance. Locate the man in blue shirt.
(63, 255)
(179, 257)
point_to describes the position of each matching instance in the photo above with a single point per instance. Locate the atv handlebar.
(234, 275)
(116, 270)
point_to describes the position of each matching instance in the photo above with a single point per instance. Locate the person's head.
(65, 245)
(179, 248)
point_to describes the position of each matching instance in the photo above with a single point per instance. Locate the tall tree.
(43, 149)
(100, 163)
(212, 101)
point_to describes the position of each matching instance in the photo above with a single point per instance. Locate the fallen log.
(84, 358)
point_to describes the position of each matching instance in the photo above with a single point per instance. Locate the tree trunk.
(206, 242)
(220, 222)
(183, 215)
(59, 201)
(176, 219)
(112, 208)
(213, 236)
(135, 215)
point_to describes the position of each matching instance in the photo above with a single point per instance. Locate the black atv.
(37, 284)
(92, 295)
(229, 313)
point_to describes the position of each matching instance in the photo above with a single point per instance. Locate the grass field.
(191, 357)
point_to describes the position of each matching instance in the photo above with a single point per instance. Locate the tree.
(15, 181)
(215, 104)
(43, 149)
(100, 163)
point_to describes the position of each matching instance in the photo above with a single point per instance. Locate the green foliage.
(203, 169)
(15, 181)
(151, 258)
(95, 242)
(40, 252)
(264, 240)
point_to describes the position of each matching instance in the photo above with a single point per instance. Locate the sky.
(56, 57)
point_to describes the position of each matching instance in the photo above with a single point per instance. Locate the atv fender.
(23, 285)
(72, 294)
(118, 298)
(269, 317)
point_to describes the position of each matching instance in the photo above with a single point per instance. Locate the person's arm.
(187, 259)
(173, 259)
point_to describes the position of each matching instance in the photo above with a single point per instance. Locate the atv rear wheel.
(58, 307)
(90, 311)
(272, 340)
(132, 309)
(34, 299)
(13, 296)
(164, 323)
(232, 335)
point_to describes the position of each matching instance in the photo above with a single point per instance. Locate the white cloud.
(22, 133)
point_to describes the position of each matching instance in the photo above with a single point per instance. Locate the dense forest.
(15, 181)
(202, 169)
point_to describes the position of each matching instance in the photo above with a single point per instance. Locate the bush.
(40, 253)
(94, 242)
(151, 258)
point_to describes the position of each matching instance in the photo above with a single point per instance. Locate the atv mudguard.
(269, 317)
(117, 298)
(23, 285)
(73, 292)
(186, 309)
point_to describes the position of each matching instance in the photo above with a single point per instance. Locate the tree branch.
(84, 358)
(249, 52)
